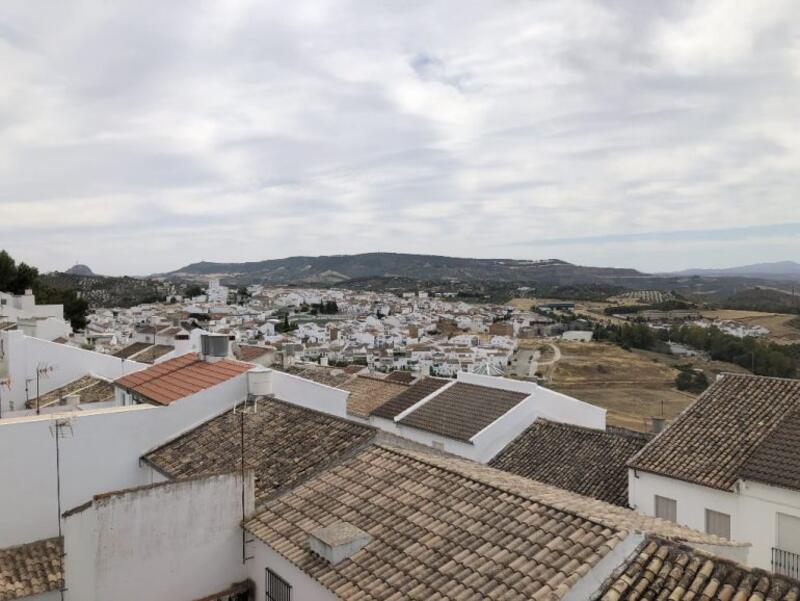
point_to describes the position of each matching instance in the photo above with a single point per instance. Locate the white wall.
(692, 502)
(484, 445)
(562, 408)
(22, 354)
(304, 588)
(756, 517)
(177, 540)
(494, 437)
(312, 395)
(100, 453)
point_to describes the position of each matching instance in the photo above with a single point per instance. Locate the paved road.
(525, 362)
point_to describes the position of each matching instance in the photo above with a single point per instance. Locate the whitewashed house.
(730, 466)
(476, 416)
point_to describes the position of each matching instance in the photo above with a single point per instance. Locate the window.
(718, 523)
(439, 446)
(787, 537)
(666, 509)
(277, 588)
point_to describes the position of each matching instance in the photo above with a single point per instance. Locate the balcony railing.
(785, 563)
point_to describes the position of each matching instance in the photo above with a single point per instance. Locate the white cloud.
(246, 130)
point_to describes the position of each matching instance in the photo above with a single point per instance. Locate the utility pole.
(58, 431)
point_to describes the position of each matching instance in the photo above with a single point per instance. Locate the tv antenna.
(248, 406)
(43, 370)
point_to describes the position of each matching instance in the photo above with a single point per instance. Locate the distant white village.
(308, 444)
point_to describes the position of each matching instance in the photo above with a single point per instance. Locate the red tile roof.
(180, 377)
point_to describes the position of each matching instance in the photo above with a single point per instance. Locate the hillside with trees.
(15, 278)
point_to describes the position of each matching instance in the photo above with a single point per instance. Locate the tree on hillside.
(15, 279)
(193, 291)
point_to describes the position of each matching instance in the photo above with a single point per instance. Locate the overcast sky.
(140, 136)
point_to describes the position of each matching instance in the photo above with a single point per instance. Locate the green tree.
(193, 290)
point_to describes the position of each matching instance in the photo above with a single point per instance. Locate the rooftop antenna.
(242, 411)
(42, 370)
(60, 429)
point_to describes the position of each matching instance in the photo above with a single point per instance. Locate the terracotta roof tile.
(131, 350)
(180, 377)
(284, 444)
(777, 459)
(713, 439)
(90, 389)
(401, 377)
(250, 352)
(445, 529)
(151, 353)
(329, 376)
(411, 395)
(666, 570)
(367, 393)
(463, 410)
(30, 569)
(584, 460)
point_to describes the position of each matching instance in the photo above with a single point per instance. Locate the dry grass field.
(632, 387)
(779, 325)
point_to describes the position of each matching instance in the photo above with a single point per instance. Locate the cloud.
(142, 136)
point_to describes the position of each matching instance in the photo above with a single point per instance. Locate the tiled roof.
(463, 410)
(402, 377)
(330, 376)
(180, 377)
(411, 395)
(584, 460)
(284, 444)
(30, 569)
(367, 393)
(777, 459)
(666, 570)
(445, 528)
(131, 350)
(710, 442)
(90, 389)
(151, 353)
(250, 352)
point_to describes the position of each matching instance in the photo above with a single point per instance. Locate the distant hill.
(336, 269)
(105, 291)
(781, 270)
(764, 299)
(79, 269)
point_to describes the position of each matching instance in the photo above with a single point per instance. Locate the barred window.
(277, 588)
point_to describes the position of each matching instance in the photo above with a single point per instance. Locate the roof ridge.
(682, 416)
(418, 456)
(540, 497)
(726, 374)
(275, 400)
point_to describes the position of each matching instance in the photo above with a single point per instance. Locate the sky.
(137, 137)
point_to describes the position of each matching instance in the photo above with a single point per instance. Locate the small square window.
(666, 509)
(718, 523)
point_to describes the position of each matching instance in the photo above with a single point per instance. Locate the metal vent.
(214, 346)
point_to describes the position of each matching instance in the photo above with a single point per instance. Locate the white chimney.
(338, 542)
(183, 343)
(259, 381)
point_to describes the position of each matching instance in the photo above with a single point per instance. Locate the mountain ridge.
(773, 270)
(332, 269)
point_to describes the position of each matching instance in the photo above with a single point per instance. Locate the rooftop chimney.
(214, 347)
(658, 424)
(338, 542)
